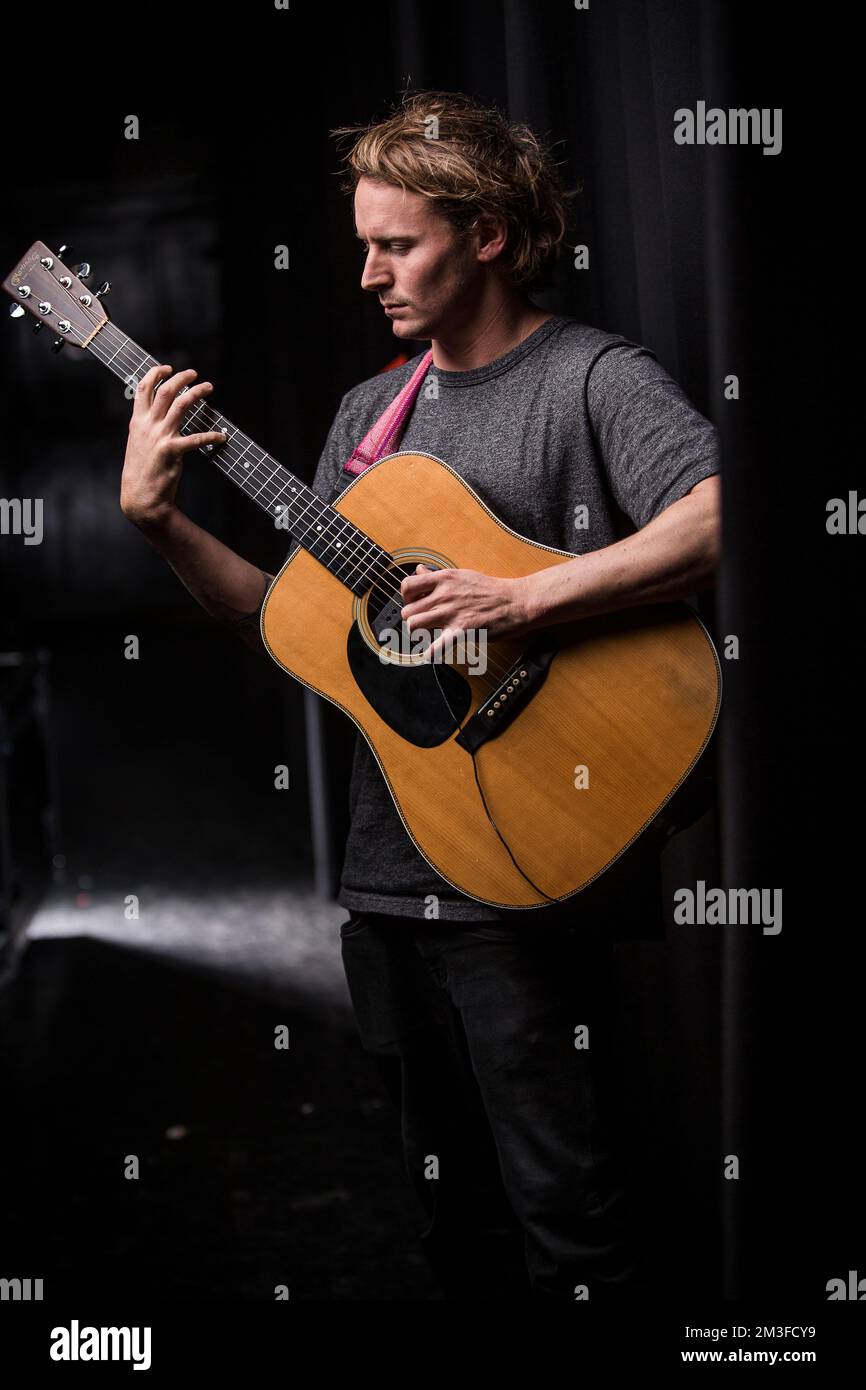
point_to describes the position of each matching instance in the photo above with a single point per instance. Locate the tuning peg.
(38, 325)
(16, 311)
(58, 342)
(103, 289)
(84, 272)
(64, 252)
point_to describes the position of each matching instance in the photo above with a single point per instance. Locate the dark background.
(721, 260)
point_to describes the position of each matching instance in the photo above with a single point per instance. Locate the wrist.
(528, 611)
(156, 521)
(551, 596)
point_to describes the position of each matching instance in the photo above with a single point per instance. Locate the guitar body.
(519, 785)
(631, 698)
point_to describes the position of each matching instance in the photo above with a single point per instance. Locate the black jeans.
(505, 1130)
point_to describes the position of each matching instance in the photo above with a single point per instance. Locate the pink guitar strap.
(382, 438)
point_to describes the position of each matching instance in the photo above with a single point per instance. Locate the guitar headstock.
(42, 285)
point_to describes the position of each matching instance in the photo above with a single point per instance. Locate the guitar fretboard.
(344, 549)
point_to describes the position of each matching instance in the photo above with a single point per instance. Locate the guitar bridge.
(514, 692)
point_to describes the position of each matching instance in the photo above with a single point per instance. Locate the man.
(575, 438)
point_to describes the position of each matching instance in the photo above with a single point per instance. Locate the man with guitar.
(577, 439)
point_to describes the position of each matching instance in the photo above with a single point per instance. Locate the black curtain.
(725, 261)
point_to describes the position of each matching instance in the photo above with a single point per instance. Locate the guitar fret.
(248, 445)
(351, 555)
(111, 359)
(267, 480)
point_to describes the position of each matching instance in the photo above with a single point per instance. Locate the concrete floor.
(155, 1038)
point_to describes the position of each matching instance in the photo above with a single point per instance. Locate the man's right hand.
(155, 449)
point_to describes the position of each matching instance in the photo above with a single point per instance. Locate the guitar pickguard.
(410, 699)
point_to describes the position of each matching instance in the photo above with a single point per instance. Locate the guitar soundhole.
(378, 612)
(383, 611)
(422, 705)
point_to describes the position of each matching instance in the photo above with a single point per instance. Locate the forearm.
(228, 587)
(672, 557)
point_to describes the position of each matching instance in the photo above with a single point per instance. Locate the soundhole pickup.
(513, 694)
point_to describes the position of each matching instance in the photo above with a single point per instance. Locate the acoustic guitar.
(520, 777)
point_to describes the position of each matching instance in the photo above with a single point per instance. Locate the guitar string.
(472, 753)
(376, 579)
(125, 348)
(261, 492)
(499, 672)
(336, 517)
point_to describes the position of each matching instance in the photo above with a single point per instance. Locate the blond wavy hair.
(477, 165)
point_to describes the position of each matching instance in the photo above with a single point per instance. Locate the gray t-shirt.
(571, 418)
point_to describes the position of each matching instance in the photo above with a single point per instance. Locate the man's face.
(415, 260)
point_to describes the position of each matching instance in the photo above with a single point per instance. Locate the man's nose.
(375, 275)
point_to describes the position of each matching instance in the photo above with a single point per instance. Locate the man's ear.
(491, 237)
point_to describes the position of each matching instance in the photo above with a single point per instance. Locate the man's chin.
(409, 327)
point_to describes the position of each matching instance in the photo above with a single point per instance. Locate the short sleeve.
(654, 444)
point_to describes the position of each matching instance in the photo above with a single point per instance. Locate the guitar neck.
(42, 285)
(341, 547)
